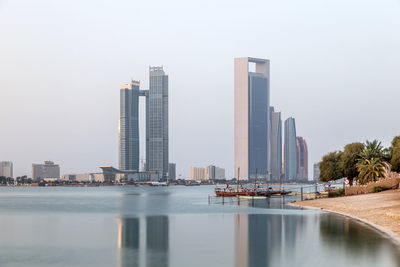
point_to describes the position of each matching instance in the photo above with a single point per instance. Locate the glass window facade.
(129, 128)
(258, 125)
(157, 139)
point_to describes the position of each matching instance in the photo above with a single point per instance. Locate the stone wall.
(392, 180)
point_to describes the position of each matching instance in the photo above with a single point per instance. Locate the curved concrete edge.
(385, 231)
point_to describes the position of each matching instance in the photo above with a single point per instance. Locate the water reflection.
(259, 238)
(308, 240)
(352, 237)
(128, 242)
(157, 241)
(131, 239)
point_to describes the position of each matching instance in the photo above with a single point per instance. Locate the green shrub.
(377, 189)
(336, 193)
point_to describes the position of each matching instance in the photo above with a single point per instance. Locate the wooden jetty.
(255, 190)
(249, 191)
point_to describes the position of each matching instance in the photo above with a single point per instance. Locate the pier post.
(209, 200)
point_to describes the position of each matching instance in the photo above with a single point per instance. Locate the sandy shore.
(381, 210)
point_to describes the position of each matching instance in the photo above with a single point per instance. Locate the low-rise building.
(46, 170)
(84, 177)
(112, 174)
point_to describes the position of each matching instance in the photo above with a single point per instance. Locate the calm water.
(175, 226)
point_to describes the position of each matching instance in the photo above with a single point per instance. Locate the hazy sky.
(335, 67)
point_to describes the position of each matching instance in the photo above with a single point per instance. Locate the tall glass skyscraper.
(276, 145)
(128, 131)
(252, 119)
(157, 140)
(290, 150)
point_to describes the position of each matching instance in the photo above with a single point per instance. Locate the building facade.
(172, 171)
(197, 174)
(316, 172)
(46, 170)
(128, 131)
(157, 139)
(252, 119)
(302, 159)
(290, 151)
(6, 169)
(276, 146)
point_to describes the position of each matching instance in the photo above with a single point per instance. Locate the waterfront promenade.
(381, 210)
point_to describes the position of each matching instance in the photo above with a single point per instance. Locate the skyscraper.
(128, 131)
(252, 119)
(276, 145)
(302, 158)
(157, 122)
(290, 150)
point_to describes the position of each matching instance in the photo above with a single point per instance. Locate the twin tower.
(156, 123)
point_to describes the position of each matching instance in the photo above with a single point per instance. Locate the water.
(175, 226)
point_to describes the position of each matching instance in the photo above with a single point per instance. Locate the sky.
(334, 68)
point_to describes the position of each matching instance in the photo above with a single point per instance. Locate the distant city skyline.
(63, 62)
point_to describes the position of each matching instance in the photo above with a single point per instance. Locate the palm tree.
(371, 169)
(371, 150)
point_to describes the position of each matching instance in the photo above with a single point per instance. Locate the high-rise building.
(290, 152)
(197, 174)
(276, 146)
(219, 173)
(252, 119)
(172, 171)
(316, 172)
(128, 131)
(6, 169)
(214, 173)
(302, 159)
(46, 170)
(157, 122)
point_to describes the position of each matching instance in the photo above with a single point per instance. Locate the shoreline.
(371, 209)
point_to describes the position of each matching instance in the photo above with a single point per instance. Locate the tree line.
(364, 162)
